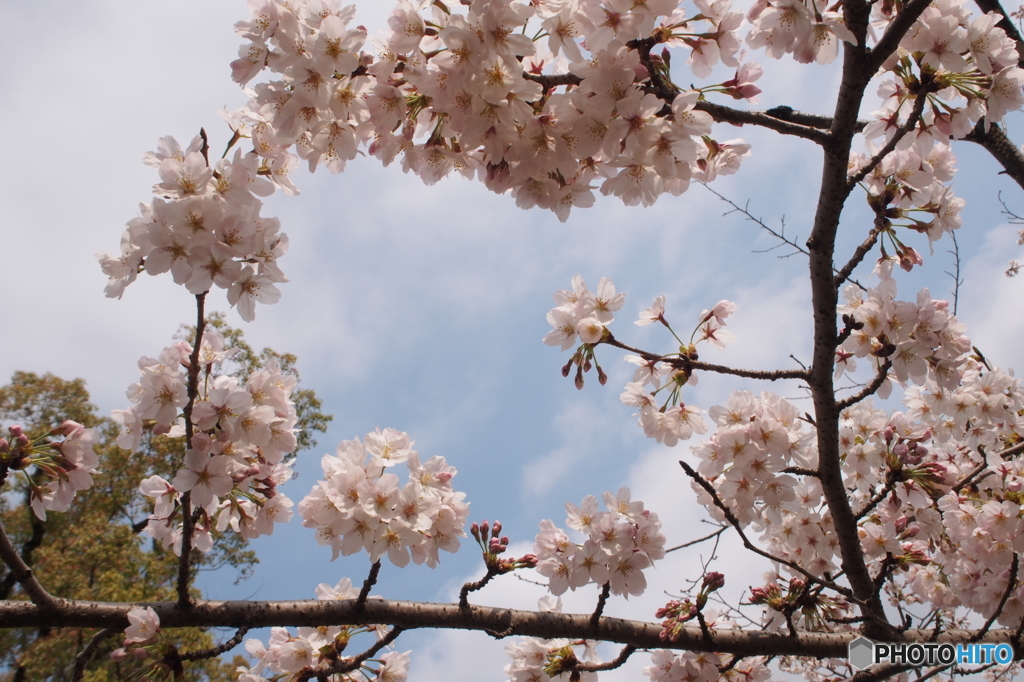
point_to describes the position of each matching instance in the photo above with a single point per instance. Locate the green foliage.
(97, 551)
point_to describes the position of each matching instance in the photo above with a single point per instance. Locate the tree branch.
(86, 654)
(187, 523)
(870, 389)
(23, 575)
(1011, 584)
(735, 523)
(1001, 148)
(546, 625)
(616, 662)
(217, 650)
(347, 665)
(686, 363)
(901, 132)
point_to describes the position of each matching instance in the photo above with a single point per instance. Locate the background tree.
(96, 551)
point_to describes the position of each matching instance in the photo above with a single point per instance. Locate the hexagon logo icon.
(862, 653)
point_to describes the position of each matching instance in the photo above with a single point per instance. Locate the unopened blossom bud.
(65, 428)
(566, 368)
(474, 530)
(587, 366)
(504, 541)
(496, 529)
(912, 531)
(713, 581)
(901, 524)
(15, 430)
(602, 378)
(21, 441)
(5, 447)
(140, 653)
(485, 528)
(444, 477)
(118, 655)
(889, 434)
(900, 450)
(579, 379)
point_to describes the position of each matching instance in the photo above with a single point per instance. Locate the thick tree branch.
(547, 625)
(1001, 148)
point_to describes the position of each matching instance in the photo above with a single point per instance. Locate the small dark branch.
(217, 650)
(780, 235)
(23, 575)
(800, 471)
(888, 43)
(785, 113)
(616, 662)
(1011, 584)
(772, 375)
(763, 119)
(890, 483)
(705, 631)
(901, 132)
(849, 326)
(1005, 23)
(602, 599)
(140, 526)
(553, 81)
(1001, 148)
(877, 673)
(205, 149)
(86, 654)
(347, 665)
(691, 543)
(1012, 451)
(933, 672)
(473, 587)
(861, 251)
(27, 548)
(969, 478)
(187, 523)
(735, 523)
(788, 613)
(868, 390)
(368, 584)
(502, 634)
(686, 363)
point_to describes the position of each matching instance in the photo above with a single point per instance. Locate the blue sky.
(423, 308)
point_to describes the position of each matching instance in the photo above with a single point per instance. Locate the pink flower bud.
(496, 530)
(140, 653)
(15, 430)
(444, 476)
(118, 655)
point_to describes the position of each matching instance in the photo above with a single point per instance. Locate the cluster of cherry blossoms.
(620, 543)
(582, 315)
(310, 649)
(205, 228)
(236, 456)
(543, 660)
(463, 89)
(917, 340)
(360, 505)
(69, 463)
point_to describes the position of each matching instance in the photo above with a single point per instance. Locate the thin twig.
(347, 665)
(616, 662)
(957, 280)
(686, 363)
(691, 543)
(890, 483)
(859, 253)
(216, 650)
(735, 523)
(888, 147)
(86, 654)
